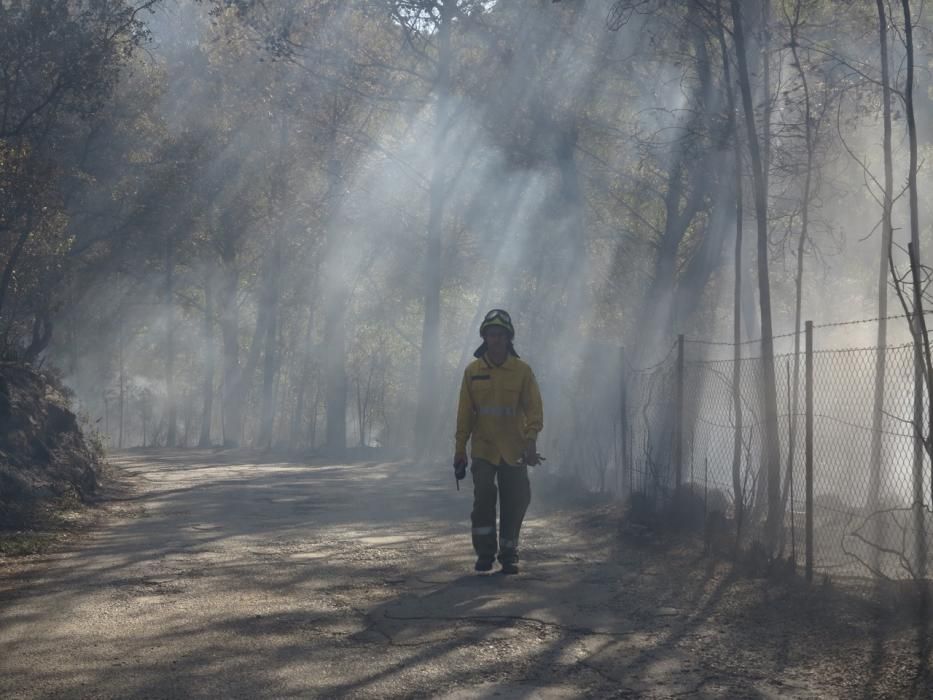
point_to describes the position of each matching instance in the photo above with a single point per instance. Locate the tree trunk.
(801, 249)
(738, 491)
(188, 418)
(360, 413)
(919, 368)
(269, 371)
(271, 362)
(336, 298)
(172, 408)
(270, 351)
(874, 479)
(237, 378)
(204, 440)
(230, 331)
(335, 333)
(312, 424)
(771, 451)
(302, 388)
(265, 318)
(425, 423)
(766, 93)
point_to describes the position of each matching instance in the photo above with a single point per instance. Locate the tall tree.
(771, 453)
(432, 263)
(689, 184)
(812, 121)
(921, 342)
(738, 491)
(59, 65)
(887, 228)
(207, 410)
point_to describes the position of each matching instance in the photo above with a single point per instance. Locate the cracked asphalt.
(222, 575)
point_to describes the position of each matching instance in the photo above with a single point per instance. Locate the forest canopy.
(278, 224)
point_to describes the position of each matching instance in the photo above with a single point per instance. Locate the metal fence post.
(809, 451)
(679, 416)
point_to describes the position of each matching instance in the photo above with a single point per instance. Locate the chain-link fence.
(687, 441)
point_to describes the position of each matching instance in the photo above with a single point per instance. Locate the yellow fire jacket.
(500, 407)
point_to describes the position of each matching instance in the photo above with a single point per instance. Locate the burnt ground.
(225, 575)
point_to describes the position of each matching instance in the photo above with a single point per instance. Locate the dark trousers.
(514, 495)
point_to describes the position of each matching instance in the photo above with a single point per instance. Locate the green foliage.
(257, 164)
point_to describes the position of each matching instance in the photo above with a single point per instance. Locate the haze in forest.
(278, 225)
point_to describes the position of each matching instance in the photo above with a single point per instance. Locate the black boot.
(483, 564)
(509, 568)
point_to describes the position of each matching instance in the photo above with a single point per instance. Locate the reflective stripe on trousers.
(508, 486)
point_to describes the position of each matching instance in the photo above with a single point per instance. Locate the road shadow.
(256, 579)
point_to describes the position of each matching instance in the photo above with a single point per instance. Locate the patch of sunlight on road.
(512, 691)
(384, 539)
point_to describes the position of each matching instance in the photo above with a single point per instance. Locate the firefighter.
(500, 411)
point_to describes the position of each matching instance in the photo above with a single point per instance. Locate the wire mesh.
(872, 489)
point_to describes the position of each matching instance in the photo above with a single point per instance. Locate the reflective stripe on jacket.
(500, 408)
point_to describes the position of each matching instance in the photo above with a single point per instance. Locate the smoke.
(267, 210)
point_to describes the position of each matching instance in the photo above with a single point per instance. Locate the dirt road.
(216, 576)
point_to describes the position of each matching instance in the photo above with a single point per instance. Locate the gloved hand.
(460, 466)
(530, 457)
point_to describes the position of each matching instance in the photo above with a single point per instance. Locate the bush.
(44, 455)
